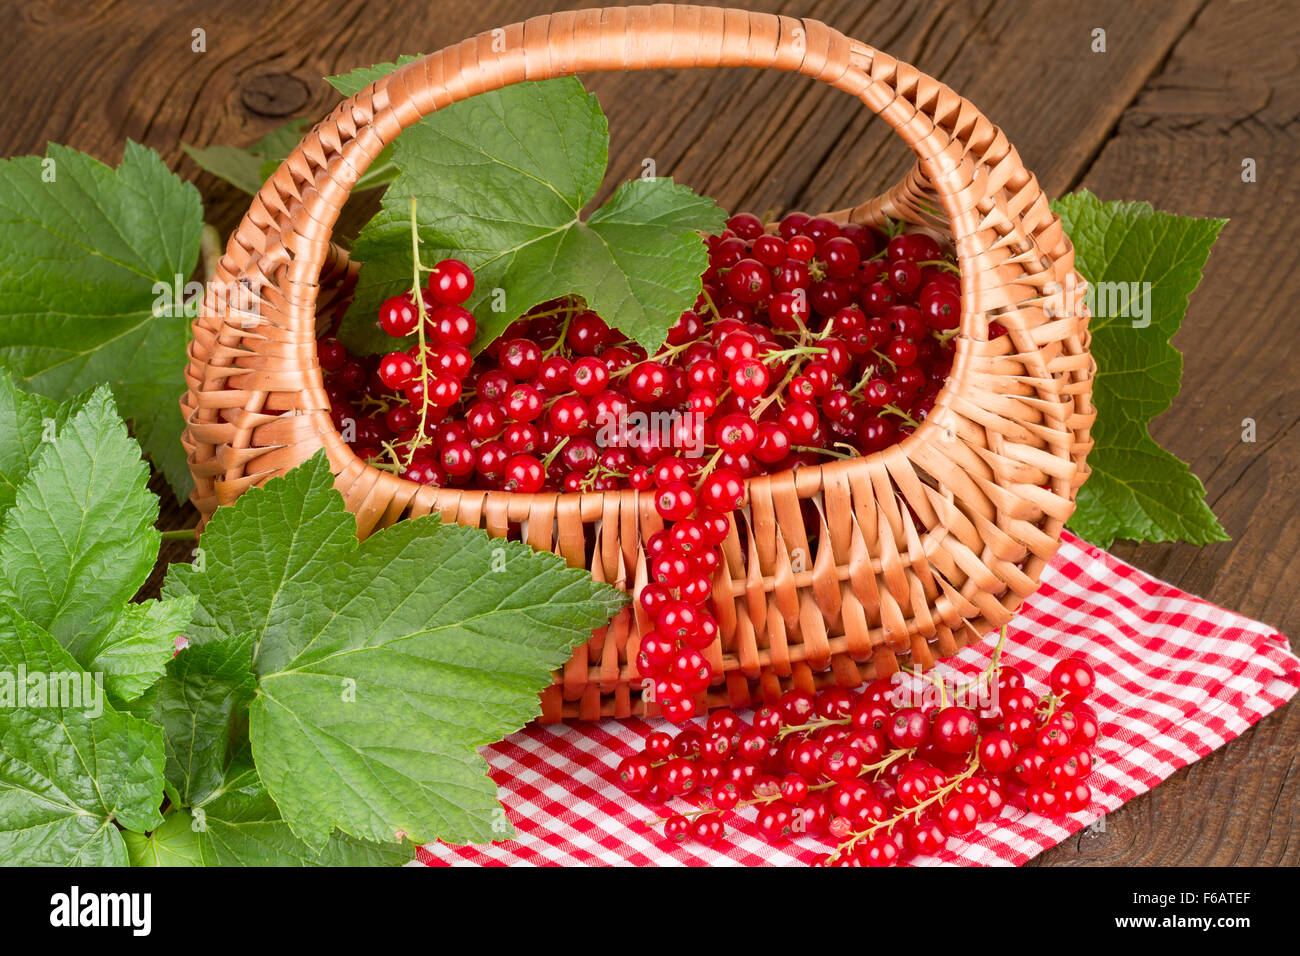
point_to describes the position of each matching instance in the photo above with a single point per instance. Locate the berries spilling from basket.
(882, 776)
(810, 341)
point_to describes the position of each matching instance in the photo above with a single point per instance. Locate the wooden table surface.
(1185, 90)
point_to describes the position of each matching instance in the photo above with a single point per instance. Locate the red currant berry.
(634, 773)
(749, 378)
(649, 382)
(926, 837)
(1076, 797)
(879, 850)
(997, 752)
(451, 282)
(775, 820)
(398, 316)
(841, 256)
(588, 334)
(955, 730)
(678, 711)
(659, 745)
(1031, 766)
(331, 353)
(1040, 798)
(678, 776)
(676, 501)
(452, 325)
(677, 828)
(1072, 676)
(396, 369)
(773, 443)
(520, 358)
(589, 376)
(796, 707)
(909, 728)
(959, 815)
(524, 474)
(842, 764)
(768, 721)
(569, 415)
(708, 829)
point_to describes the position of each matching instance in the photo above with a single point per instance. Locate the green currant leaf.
(133, 652)
(501, 180)
(248, 168)
(242, 168)
(1137, 490)
(238, 824)
(239, 829)
(206, 689)
(79, 542)
(70, 765)
(382, 665)
(81, 249)
(354, 81)
(27, 424)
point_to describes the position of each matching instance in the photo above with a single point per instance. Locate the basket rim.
(973, 325)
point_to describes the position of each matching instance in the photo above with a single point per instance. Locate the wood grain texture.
(1185, 91)
(1228, 91)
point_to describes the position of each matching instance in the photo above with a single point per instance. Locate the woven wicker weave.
(912, 553)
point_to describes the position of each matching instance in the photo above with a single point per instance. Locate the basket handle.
(247, 368)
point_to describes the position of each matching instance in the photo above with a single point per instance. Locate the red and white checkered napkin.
(1177, 678)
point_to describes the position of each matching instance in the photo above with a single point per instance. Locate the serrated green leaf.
(354, 81)
(206, 685)
(501, 181)
(240, 826)
(68, 772)
(27, 423)
(384, 667)
(305, 544)
(79, 258)
(172, 844)
(248, 168)
(242, 168)
(79, 542)
(1138, 490)
(133, 653)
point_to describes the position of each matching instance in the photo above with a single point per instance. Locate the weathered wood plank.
(1229, 91)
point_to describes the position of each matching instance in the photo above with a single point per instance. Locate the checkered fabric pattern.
(1177, 678)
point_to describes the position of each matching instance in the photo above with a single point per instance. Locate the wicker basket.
(912, 552)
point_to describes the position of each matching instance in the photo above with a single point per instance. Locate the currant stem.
(915, 811)
(893, 409)
(823, 451)
(559, 447)
(816, 724)
(701, 811)
(943, 264)
(708, 468)
(564, 329)
(884, 358)
(422, 312)
(983, 676)
(792, 352)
